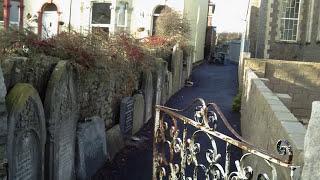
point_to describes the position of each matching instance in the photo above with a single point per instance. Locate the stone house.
(284, 29)
(50, 17)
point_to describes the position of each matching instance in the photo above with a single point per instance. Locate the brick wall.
(265, 120)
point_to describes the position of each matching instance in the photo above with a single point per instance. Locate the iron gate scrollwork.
(177, 147)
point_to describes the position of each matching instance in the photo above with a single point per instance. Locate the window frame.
(101, 25)
(284, 19)
(126, 4)
(15, 23)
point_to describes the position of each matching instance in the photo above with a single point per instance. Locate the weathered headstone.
(165, 89)
(91, 148)
(189, 66)
(115, 141)
(158, 79)
(312, 145)
(126, 115)
(138, 112)
(147, 88)
(3, 125)
(26, 133)
(177, 68)
(62, 114)
(169, 85)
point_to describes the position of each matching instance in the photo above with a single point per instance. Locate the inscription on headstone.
(62, 115)
(27, 133)
(126, 115)
(91, 148)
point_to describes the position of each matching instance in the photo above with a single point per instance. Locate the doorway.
(50, 19)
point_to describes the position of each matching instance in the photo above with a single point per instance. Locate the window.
(1, 10)
(122, 14)
(101, 13)
(289, 20)
(15, 12)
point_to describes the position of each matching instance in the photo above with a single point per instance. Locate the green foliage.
(236, 105)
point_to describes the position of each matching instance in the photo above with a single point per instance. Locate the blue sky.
(229, 15)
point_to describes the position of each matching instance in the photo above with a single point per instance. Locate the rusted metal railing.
(175, 152)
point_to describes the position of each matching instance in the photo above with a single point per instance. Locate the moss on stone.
(19, 95)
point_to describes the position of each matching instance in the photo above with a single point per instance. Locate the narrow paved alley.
(212, 83)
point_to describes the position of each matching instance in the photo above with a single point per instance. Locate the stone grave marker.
(115, 141)
(311, 145)
(147, 88)
(138, 112)
(91, 147)
(3, 124)
(26, 133)
(126, 116)
(177, 68)
(62, 115)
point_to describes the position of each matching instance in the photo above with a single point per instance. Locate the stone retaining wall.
(265, 120)
(300, 80)
(70, 97)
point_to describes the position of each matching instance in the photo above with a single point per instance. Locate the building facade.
(284, 29)
(50, 17)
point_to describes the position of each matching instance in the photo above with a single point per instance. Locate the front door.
(49, 24)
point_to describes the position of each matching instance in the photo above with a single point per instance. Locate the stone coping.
(290, 124)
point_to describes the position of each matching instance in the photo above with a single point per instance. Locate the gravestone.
(115, 141)
(311, 145)
(91, 147)
(3, 125)
(177, 68)
(126, 115)
(165, 89)
(158, 79)
(138, 112)
(27, 133)
(147, 88)
(62, 115)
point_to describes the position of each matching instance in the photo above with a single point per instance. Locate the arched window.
(156, 14)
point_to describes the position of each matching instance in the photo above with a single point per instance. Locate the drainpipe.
(21, 14)
(6, 13)
(70, 11)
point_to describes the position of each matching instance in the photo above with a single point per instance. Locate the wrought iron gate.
(174, 151)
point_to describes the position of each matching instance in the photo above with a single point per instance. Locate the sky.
(229, 15)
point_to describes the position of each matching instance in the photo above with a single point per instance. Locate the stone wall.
(65, 101)
(265, 120)
(300, 80)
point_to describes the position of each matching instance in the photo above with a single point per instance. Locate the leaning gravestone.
(115, 141)
(126, 116)
(3, 126)
(311, 145)
(147, 88)
(27, 133)
(91, 148)
(138, 113)
(62, 115)
(177, 68)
